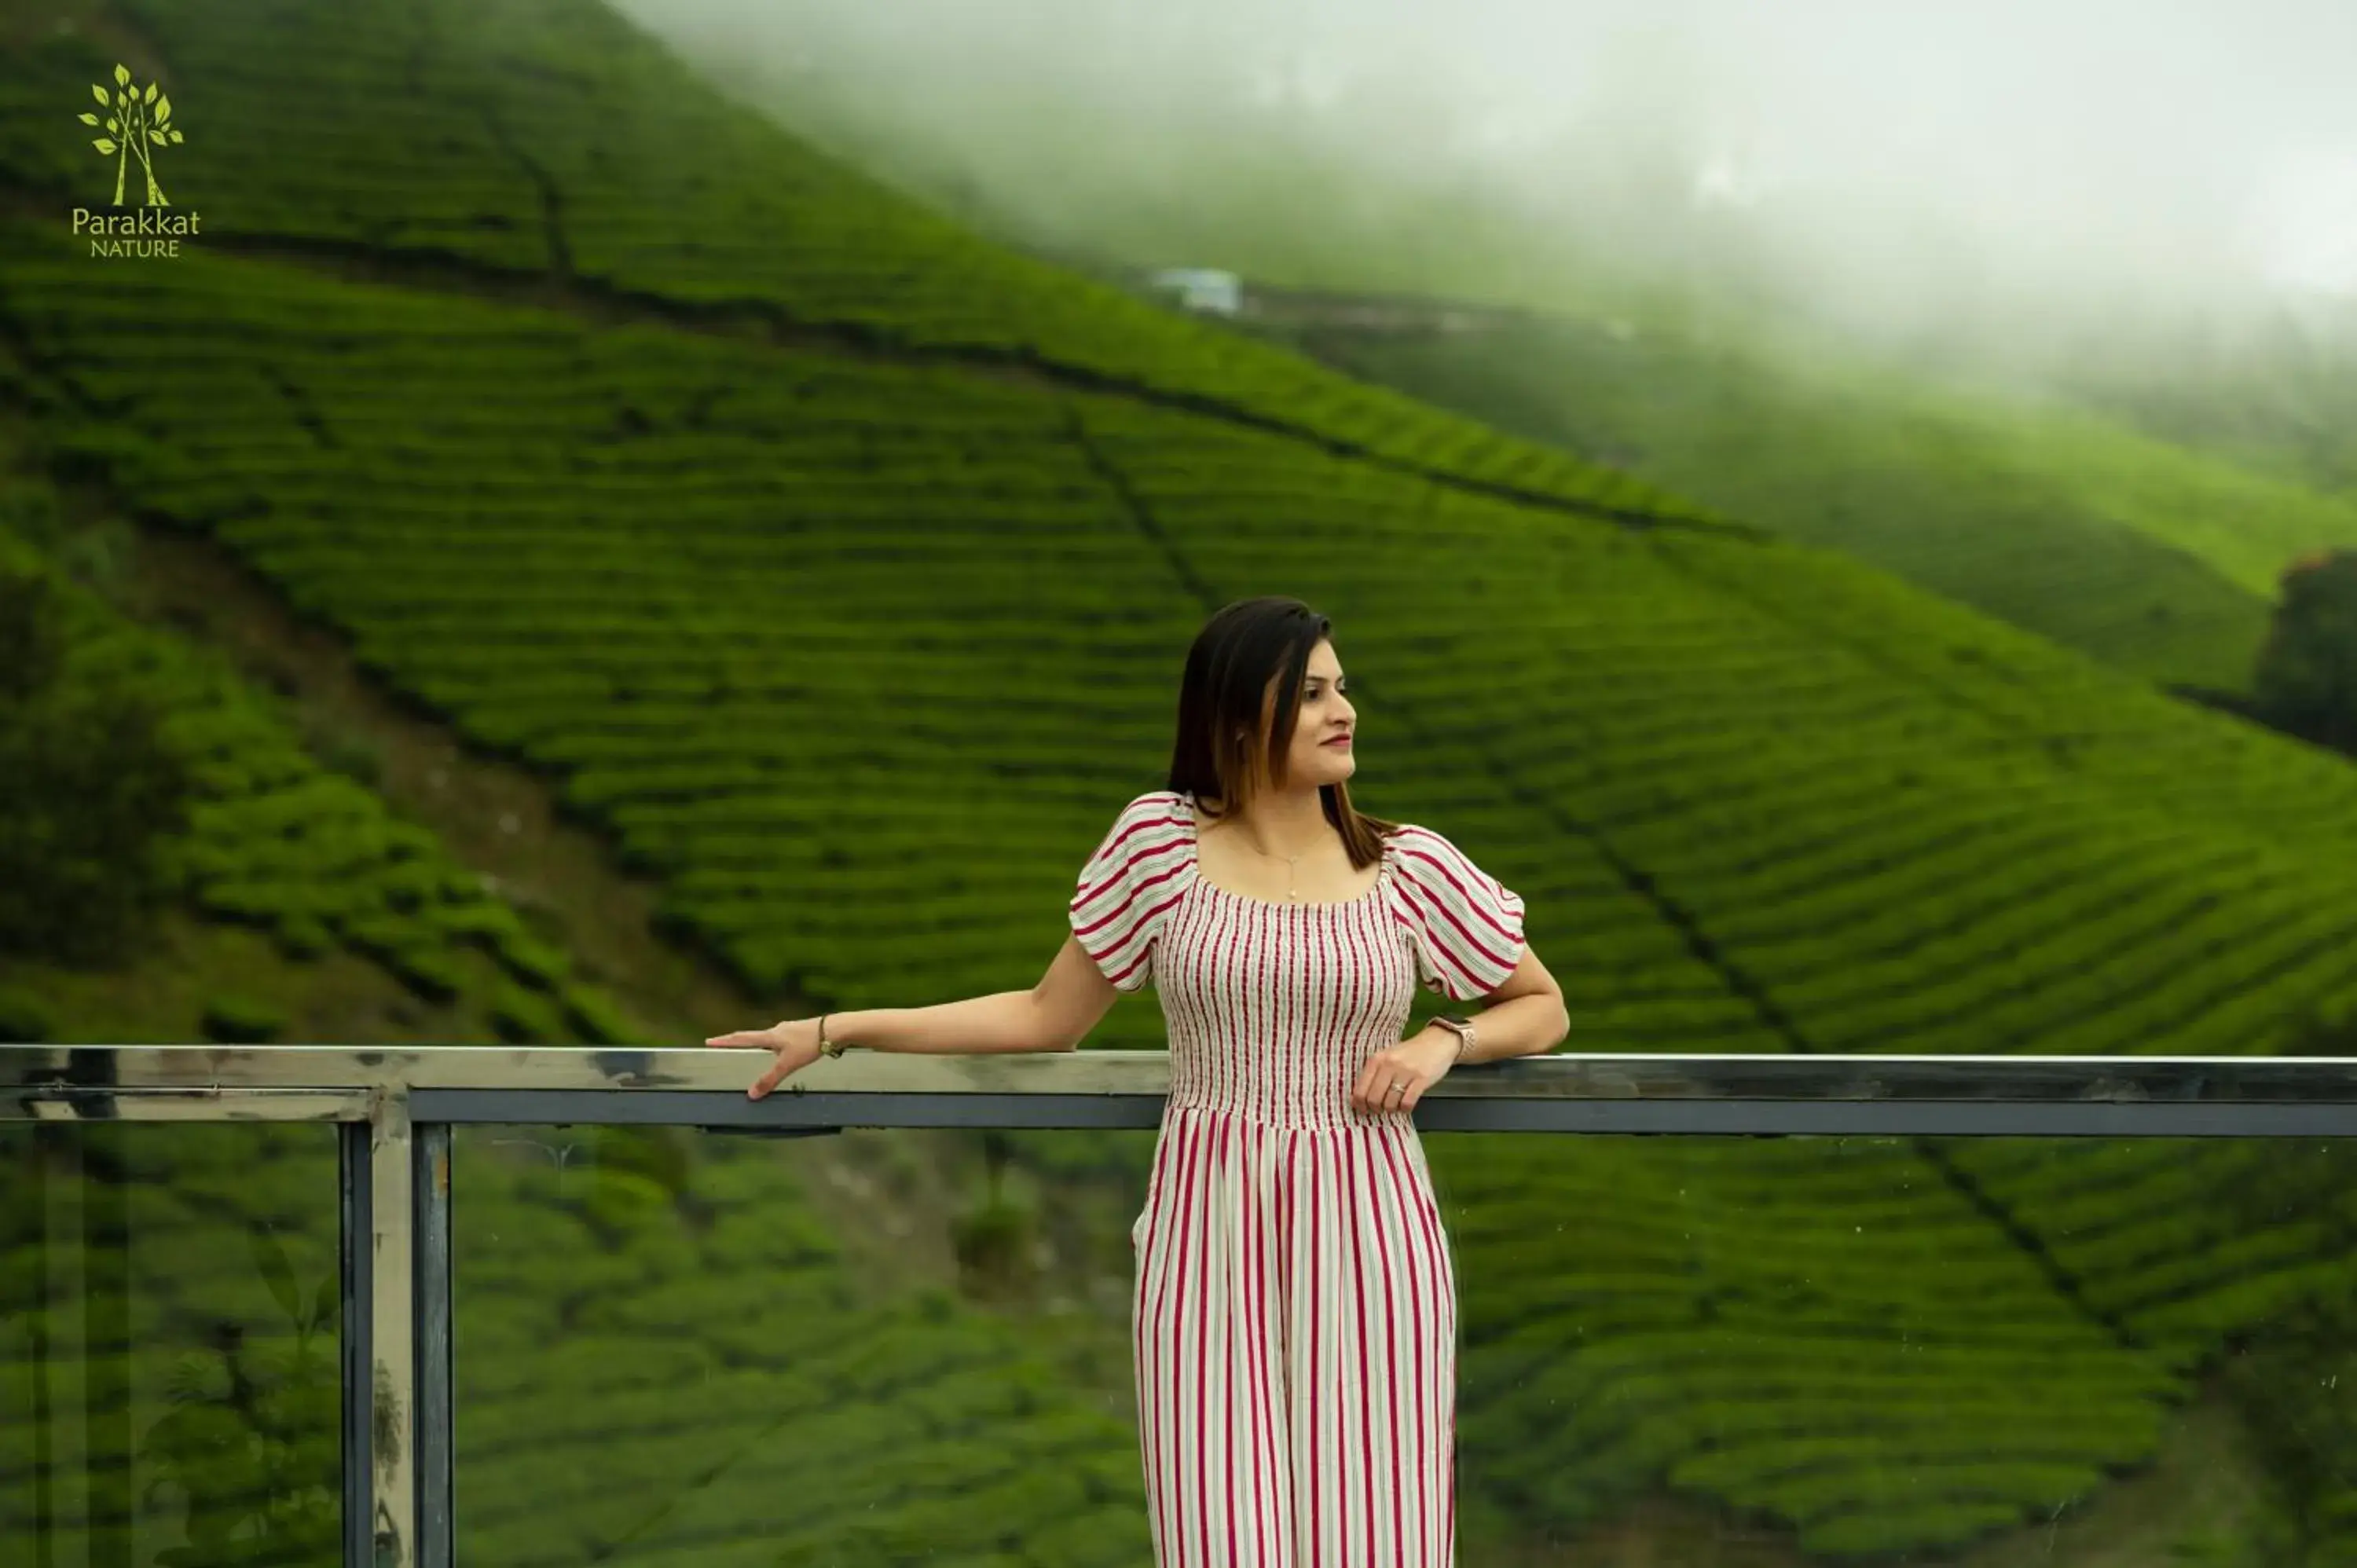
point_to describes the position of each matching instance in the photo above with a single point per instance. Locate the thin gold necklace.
(1290, 861)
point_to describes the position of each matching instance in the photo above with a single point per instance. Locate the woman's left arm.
(1522, 1017)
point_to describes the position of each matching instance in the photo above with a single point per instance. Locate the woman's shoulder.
(1428, 856)
(1401, 836)
(1159, 806)
(1154, 825)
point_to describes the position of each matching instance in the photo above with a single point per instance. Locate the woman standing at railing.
(1295, 1310)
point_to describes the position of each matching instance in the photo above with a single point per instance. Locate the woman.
(1294, 1315)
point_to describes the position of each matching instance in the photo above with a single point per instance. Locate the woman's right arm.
(1001, 1021)
(1043, 1018)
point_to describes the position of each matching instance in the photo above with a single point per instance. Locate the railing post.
(355, 1256)
(431, 1262)
(392, 1344)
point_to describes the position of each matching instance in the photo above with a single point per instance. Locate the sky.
(1891, 153)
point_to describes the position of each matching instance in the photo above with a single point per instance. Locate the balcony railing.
(394, 1111)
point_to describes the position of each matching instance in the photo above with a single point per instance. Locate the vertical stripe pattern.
(1294, 1316)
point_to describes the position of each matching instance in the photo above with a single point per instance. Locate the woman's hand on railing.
(794, 1039)
(1415, 1063)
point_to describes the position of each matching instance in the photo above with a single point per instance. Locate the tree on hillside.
(89, 793)
(2306, 679)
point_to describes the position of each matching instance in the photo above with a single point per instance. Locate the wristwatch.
(1462, 1027)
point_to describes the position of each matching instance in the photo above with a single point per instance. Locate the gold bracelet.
(826, 1047)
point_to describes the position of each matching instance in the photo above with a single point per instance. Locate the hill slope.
(555, 142)
(2153, 558)
(389, 928)
(310, 912)
(2145, 522)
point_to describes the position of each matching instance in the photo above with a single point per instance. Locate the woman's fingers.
(1373, 1091)
(767, 1080)
(770, 1040)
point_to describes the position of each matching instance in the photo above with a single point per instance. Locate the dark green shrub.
(241, 1020)
(303, 936)
(90, 795)
(355, 755)
(524, 1018)
(24, 1021)
(597, 1021)
(251, 1441)
(2305, 683)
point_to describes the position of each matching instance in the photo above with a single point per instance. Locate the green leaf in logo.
(104, 144)
(164, 108)
(177, 138)
(151, 92)
(87, 119)
(122, 74)
(98, 92)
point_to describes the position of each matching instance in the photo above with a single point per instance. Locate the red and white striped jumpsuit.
(1295, 1311)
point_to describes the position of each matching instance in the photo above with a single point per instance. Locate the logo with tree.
(141, 123)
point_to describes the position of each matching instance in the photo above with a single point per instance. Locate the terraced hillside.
(666, 1266)
(853, 624)
(303, 856)
(694, 571)
(2153, 557)
(556, 143)
(2144, 520)
(2275, 390)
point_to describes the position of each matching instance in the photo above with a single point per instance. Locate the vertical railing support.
(431, 1262)
(392, 1344)
(355, 1255)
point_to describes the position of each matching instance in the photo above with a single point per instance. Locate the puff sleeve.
(1465, 925)
(1127, 888)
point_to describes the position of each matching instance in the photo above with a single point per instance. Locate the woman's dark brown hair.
(1221, 750)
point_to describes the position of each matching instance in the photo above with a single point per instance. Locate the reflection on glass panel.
(169, 1346)
(1970, 1351)
(868, 1349)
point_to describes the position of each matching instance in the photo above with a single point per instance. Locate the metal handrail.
(1563, 1091)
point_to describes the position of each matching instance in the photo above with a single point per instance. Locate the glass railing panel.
(864, 1348)
(170, 1348)
(2079, 1352)
(691, 1349)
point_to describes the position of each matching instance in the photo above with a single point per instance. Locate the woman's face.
(1325, 712)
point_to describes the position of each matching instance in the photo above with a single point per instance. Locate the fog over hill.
(1930, 173)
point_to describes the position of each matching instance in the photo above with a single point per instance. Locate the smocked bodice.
(1274, 1008)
